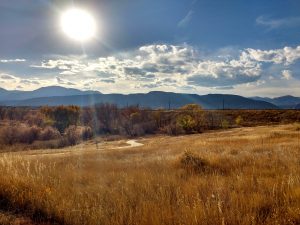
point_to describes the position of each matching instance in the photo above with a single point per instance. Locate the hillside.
(52, 91)
(153, 99)
(284, 102)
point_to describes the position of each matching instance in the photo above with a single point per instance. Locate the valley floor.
(237, 176)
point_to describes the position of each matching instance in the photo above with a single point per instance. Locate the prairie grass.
(239, 176)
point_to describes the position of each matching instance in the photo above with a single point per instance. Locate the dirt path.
(83, 147)
(131, 144)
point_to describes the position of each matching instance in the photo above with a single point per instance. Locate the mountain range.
(52, 91)
(56, 95)
(284, 102)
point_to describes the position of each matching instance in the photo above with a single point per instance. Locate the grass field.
(237, 176)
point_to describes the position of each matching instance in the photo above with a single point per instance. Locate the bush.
(137, 130)
(35, 118)
(50, 144)
(19, 134)
(87, 133)
(193, 163)
(225, 124)
(192, 108)
(172, 129)
(187, 123)
(72, 135)
(62, 116)
(239, 120)
(49, 133)
(8, 135)
(28, 134)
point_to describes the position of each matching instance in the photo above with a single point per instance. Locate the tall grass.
(242, 176)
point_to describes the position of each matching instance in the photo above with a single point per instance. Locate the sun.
(78, 24)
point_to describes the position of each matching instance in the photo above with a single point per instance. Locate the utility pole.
(169, 104)
(223, 104)
(298, 128)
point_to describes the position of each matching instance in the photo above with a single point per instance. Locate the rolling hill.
(284, 102)
(54, 96)
(52, 91)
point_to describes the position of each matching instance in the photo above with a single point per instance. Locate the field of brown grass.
(237, 176)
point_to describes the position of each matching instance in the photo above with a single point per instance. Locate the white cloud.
(163, 66)
(7, 77)
(12, 60)
(30, 82)
(278, 23)
(186, 20)
(155, 64)
(61, 64)
(62, 81)
(11, 82)
(286, 74)
(286, 55)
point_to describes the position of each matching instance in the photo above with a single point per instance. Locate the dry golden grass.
(11, 219)
(239, 176)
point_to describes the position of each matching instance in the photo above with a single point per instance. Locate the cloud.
(29, 82)
(108, 81)
(186, 20)
(61, 64)
(286, 55)
(12, 82)
(171, 66)
(278, 23)
(286, 75)
(7, 77)
(224, 88)
(63, 81)
(12, 60)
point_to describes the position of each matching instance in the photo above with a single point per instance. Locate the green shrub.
(239, 120)
(225, 124)
(187, 123)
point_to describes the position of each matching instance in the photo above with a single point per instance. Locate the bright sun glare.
(78, 24)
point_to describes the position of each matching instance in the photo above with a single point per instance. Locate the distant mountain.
(285, 102)
(155, 99)
(261, 98)
(3, 91)
(6, 92)
(297, 106)
(51, 91)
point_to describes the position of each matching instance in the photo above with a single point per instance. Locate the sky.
(249, 48)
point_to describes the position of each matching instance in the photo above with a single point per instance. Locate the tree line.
(68, 125)
(71, 124)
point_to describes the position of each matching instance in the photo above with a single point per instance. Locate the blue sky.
(196, 46)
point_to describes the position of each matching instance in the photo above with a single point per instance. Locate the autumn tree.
(239, 120)
(107, 117)
(62, 116)
(190, 118)
(187, 123)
